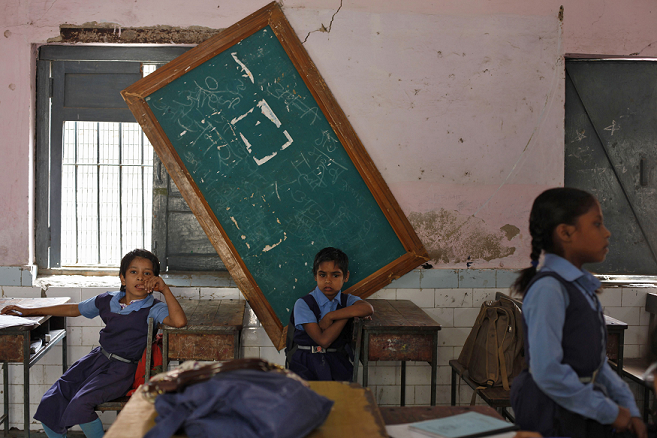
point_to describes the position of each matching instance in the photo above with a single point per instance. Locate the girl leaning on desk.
(108, 371)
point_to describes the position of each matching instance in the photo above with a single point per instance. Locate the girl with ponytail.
(568, 390)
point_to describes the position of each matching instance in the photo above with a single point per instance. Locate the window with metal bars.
(100, 189)
(107, 179)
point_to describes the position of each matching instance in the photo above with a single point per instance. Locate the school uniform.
(335, 363)
(569, 389)
(97, 378)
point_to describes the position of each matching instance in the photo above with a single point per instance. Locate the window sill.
(110, 278)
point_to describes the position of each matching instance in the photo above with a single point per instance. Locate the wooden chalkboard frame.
(272, 16)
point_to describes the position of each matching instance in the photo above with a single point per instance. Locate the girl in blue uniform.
(108, 371)
(568, 390)
(320, 349)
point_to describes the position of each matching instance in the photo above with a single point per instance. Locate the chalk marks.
(247, 72)
(613, 127)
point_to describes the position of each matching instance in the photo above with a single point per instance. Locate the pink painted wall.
(460, 104)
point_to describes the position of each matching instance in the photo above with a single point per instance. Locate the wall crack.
(323, 28)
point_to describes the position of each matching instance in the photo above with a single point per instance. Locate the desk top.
(400, 315)
(613, 323)
(354, 414)
(31, 302)
(211, 315)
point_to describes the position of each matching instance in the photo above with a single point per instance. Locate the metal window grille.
(107, 185)
(107, 191)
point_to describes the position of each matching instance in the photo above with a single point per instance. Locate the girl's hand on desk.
(15, 311)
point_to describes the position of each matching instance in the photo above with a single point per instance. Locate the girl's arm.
(324, 338)
(176, 316)
(58, 310)
(360, 308)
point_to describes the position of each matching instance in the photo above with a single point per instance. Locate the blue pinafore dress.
(95, 379)
(334, 365)
(583, 343)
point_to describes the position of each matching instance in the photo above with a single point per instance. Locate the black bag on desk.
(241, 404)
(493, 353)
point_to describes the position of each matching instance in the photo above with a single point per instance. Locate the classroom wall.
(455, 306)
(460, 104)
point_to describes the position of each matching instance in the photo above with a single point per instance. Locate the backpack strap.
(290, 346)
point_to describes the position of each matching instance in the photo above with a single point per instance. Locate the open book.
(468, 425)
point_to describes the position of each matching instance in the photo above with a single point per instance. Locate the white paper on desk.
(402, 431)
(13, 321)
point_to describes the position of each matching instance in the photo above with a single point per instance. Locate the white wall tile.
(423, 395)
(453, 298)
(387, 395)
(479, 296)
(631, 351)
(445, 354)
(20, 292)
(611, 296)
(384, 294)
(636, 334)
(270, 354)
(444, 376)
(255, 337)
(418, 375)
(74, 293)
(629, 315)
(635, 296)
(384, 375)
(250, 351)
(90, 292)
(410, 395)
(421, 297)
(454, 337)
(442, 315)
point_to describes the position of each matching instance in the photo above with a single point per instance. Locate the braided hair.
(562, 205)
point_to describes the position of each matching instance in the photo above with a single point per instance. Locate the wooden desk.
(412, 414)
(15, 348)
(354, 414)
(400, 330)
(212, 332)
(615, 342)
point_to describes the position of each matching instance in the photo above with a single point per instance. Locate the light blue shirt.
(303, 314)
(158, 312)
(544, 309)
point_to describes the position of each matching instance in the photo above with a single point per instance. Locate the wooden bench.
(119, 403)
(633, 368)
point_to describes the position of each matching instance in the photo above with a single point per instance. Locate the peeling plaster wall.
(460, 104)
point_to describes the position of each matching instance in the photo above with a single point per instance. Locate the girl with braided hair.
(568, 390)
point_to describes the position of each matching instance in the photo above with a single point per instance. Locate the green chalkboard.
(255, 140)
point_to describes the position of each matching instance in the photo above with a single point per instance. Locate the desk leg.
(165, 351)
(26, 384)
(403, 384)
(65, 349)
(453, 399)
(236, 342)
(621, 346)
(434, 368)
(5, 385)
(366, 357)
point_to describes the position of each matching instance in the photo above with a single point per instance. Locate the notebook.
(468, 425)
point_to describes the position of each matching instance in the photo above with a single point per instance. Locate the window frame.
(48, 162)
